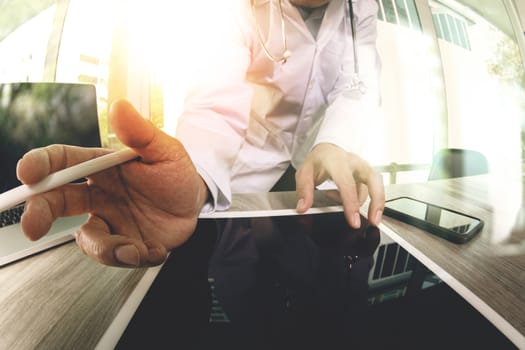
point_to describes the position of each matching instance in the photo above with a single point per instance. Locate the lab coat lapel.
(268, 22)
(335, 12)
(293, 17)
(331, 21)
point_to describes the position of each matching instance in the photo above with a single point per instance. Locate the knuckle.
(94, 249)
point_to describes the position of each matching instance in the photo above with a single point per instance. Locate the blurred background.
(452, 76)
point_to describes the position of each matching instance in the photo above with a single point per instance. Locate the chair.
(456, 162)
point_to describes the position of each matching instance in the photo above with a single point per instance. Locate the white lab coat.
(247, 118)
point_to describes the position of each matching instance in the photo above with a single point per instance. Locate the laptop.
(34, 115)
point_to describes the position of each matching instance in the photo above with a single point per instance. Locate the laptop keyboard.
(11, 216)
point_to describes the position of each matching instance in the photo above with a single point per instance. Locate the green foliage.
(508, 64)
(14, 13)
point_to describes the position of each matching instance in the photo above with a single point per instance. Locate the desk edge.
(117, 327)
(496, 319)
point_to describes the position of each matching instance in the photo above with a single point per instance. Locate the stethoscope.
(355, 83)
(286, 53)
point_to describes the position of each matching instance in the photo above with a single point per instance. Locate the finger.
(304, 182)
(40, 162)
(335, 195)
(40, 211)
(165, 152)
(362, 191)
(133, 130)
(349, 198)
(151, 143)
(36, 219)
(376, 191)
(94, 240)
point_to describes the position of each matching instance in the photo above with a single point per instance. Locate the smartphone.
(446, 223)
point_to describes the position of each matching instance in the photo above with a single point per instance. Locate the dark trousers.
(286, 182)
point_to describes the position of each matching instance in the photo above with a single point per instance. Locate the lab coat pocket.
(266, 136)
(262, 159)
(257, 133)
(265, 99)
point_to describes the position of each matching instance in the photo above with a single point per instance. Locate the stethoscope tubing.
(286, 53)
(355, 82)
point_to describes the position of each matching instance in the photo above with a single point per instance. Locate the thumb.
(304, 180)
(136, 132)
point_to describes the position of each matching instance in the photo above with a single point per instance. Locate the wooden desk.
(62, 299)
(490, 276)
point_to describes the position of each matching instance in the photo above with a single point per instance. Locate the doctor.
(291, 85)
(296, 83)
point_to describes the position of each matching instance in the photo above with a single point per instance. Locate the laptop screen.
(39, 114)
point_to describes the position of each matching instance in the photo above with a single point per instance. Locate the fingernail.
(300, 204)
(356, 220)
(378, 217)
(128, 254)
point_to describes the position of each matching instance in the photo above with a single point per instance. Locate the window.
(85, 41)
(485, 80)
(470, 74)
(402, 12)
(24, 34)
(410, 96)
(451, 28)
(460, 91)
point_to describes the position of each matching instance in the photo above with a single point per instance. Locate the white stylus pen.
(19, 194)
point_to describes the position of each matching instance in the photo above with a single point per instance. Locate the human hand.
(138, 210)
(354, 178)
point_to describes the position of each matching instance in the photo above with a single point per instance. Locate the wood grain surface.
(60, 299)
(489, 275)
(492, 271)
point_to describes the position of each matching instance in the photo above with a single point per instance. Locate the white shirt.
(247, 118)
(312, 18)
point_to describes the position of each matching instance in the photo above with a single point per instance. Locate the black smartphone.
(446, 223)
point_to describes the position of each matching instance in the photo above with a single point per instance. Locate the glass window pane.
(485, 84)
(85, 50)
(15, 14)
(453, 31)
(414, 17)
(437, 24)
(444, 27)
(466, 35)
(461, 33)
(381, 11)
(410, 97)
(402, 12)
(390, 11)
(24, 37)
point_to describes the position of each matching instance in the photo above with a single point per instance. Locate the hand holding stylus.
(139, 209)
(21, 193)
